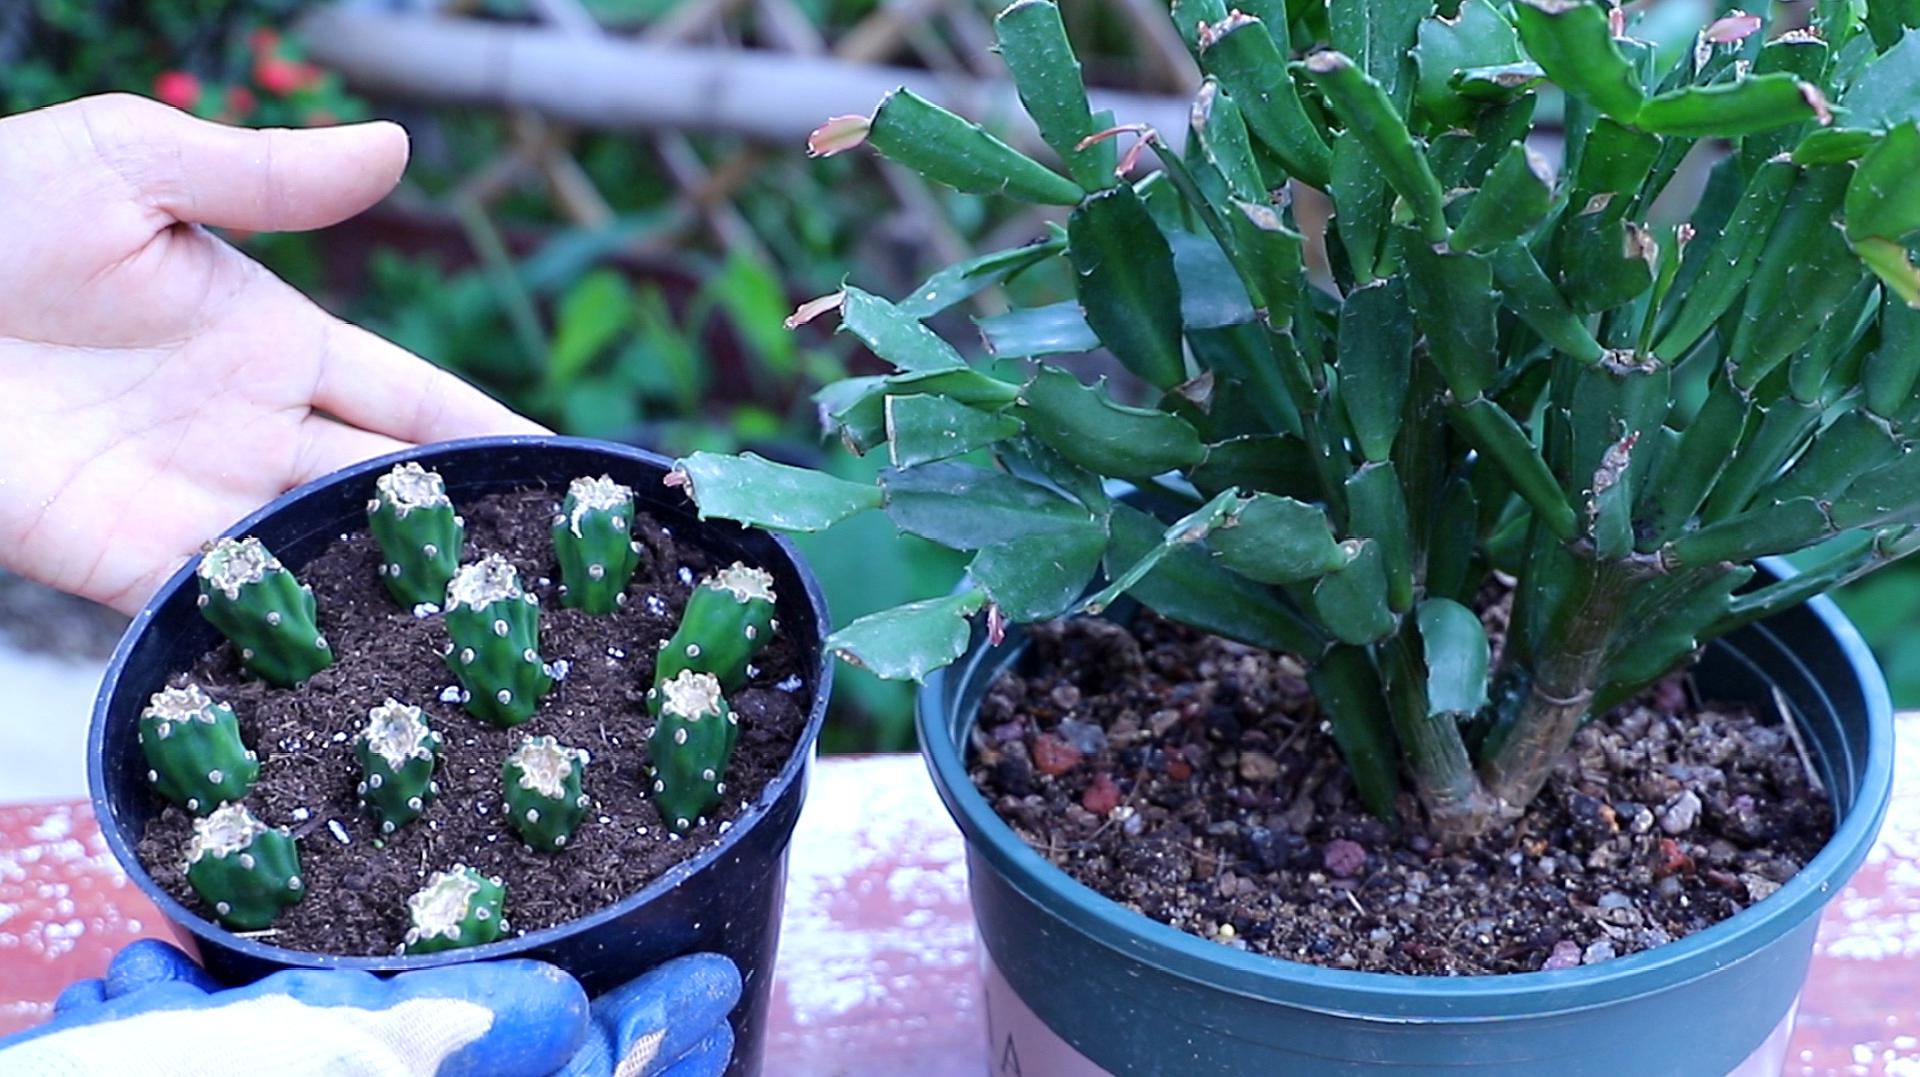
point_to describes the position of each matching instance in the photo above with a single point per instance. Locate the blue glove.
(157, 1014)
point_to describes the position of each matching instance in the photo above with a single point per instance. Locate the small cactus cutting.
(398, 753)
(255, 602)
(728, 619)
(195, 756)
(544, 799)
(419, 534)
(246, 870)
(455, 909)
(593, 539)
(495, 629)
(690, 745)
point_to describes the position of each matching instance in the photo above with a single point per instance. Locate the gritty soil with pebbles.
(1189, 778)
(358, 882)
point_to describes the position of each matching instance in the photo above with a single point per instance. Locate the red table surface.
(877, 972)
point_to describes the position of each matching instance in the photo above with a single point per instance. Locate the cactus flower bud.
(256, 603)
(690, 745)
(397, 753)
(419, 534)
(495, 629)
(728, 619)
(544, 799)
(246, 870)
(455, 909)
(195, 757)
(593, 537)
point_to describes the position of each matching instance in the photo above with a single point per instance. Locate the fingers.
(146, 962)
(379, 386)
(539, 1015)
(327, 446)
(79, 995)
(268, 180)
(708, 1058)
(655, 1021)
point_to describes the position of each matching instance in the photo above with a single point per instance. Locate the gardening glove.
(158, 1014)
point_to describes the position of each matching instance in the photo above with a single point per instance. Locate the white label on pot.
(1019, 1044)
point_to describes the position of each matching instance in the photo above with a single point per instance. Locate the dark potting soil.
(1189, 778)
(357, 883)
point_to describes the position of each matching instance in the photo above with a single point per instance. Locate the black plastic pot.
(1080, 984)
(726, 899)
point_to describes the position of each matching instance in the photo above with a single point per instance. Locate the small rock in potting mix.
(1344, 858)
(339, 832)
(791, 684)
(1014, 769)
(1671, 859)
(425, 610)
(1598, 952)
(1053, 756)
(1163, 720)
(1759, 887)
(1086, 738)
(1102, 796)
(1595, 816)
(1258, 768)
(686, 575)
(453, 693)
(1680, 813)
(1639, 818)
(1565, 955)
(1065, 696)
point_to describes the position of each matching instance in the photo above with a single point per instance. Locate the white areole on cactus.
(438, 908)
(545, 765)
(691, 695)
(409, 486)
(595, 495)
(744, 581)
(232, 564)
(397, 733)
(185, 703)
(228, 830)
(483, 583)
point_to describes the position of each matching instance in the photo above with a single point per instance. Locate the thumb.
(263, 180)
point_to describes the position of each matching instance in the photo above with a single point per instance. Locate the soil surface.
(1189, 778)
(358, 883)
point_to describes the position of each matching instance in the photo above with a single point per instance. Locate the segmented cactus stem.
(455, 909)
(593, 539)
(255, 602)
(729, 619)
(690, 745)
(495, 651)
(419, 534)
(245, 869)
(398, 752)
(195, 757)
(544, 799)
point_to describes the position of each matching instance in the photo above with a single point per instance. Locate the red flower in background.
(177, 88)
(240, 103)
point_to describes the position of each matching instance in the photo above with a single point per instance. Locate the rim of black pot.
(211, 932)
(1428, 999)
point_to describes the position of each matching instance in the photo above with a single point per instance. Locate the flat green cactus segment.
(245, 869)
(455, 909)
(728, 619)
(494, 628)
(195, 757)
(593, 539)
(690, 745)
(398, 752)
(419, 534)
(254, 601)
(541, 781)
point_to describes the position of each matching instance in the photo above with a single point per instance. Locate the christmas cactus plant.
(1592, 386)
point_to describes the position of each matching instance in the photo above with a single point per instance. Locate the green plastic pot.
(1129, 995)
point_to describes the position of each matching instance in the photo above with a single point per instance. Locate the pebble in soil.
(358, 880)
(1189, 778)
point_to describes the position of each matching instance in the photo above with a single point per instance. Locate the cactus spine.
(495, 629)
(246, 870)
(455, 909)
(544, 799)
(690, 745)
(419, 534)
(195, 757)
(255, 602)
(593, 537)
(397, 753)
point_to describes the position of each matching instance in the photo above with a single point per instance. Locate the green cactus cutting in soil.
(419, 533)
(728, 619)
(690, 745)
(544, 799)
(195, 757)
(398, 752)
(255, 602)
(455, 909)
(246, 870)
(593, 538)
(495, 651)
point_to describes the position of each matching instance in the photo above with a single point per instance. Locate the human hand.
(156, 384)
(158, 1014)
